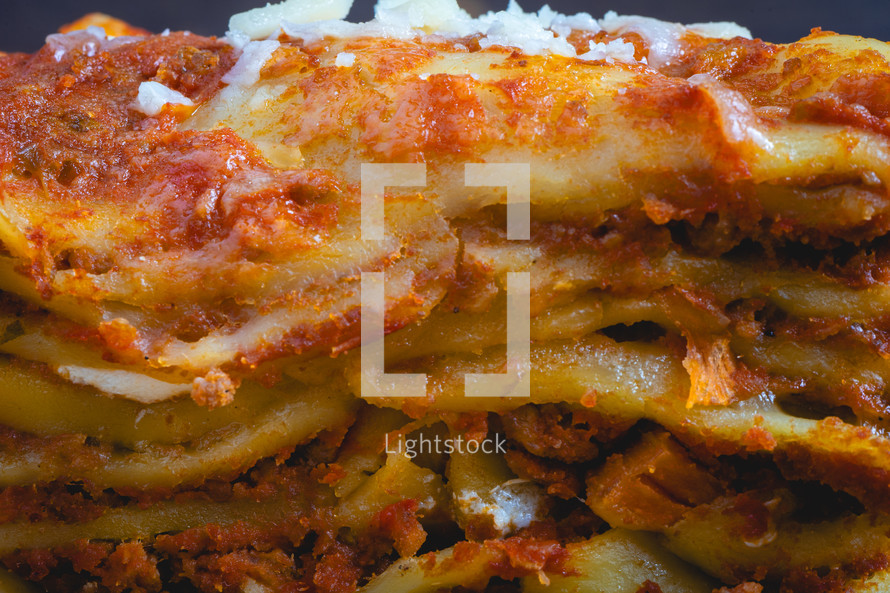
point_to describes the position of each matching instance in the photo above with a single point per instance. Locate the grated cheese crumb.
(153, 96)
(344, 59)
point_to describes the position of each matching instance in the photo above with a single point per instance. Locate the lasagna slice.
(523, 302)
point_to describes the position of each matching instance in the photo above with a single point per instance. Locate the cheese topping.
(262, 22)
(153, 96)
(663, 37)
(541, 33)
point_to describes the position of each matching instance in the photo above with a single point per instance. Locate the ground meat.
(129, 568)
(834, 580)
(52, 501)
(227, 573)
(126, 567)
(560, 479)
(560, 432)
(398, 522)
(337, 570)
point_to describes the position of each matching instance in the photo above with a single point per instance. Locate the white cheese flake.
(260, 23)
(97, 32)
(663, 38)
(131, 385)
(254, 56)
(525, 31)
(511, 506)
(421, 14)
(720, 30)
(616, 50)
(153, 96)
(344, 59)
(88, 41)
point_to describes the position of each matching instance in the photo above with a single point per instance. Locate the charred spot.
(69, 172)
(12, 331)
(817, 502)
(641, 331)
(26, 161)
(78, 122)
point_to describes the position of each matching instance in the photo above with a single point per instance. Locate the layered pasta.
(700, 399)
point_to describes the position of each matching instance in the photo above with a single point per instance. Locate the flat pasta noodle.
(594, 371)
(37, 403)
(134, 523)
(785, 546)
(617, 561)
(293, 420)
(398, 479)
(621, 561)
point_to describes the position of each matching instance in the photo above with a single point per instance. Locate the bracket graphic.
(375, 381)
(516, 381)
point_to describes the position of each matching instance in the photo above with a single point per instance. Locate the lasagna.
(524, 302)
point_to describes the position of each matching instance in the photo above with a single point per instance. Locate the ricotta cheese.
(511, 506)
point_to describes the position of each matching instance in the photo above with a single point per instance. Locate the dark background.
(24, 24)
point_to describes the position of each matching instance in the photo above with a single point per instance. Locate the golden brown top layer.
(225, 233)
